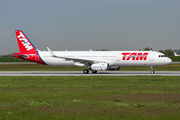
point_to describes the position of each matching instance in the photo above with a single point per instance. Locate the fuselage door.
(78, 56)
(117, 57)
(151, 56)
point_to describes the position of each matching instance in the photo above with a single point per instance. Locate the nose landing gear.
(152, 70)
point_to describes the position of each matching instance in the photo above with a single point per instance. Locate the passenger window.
(162, 55)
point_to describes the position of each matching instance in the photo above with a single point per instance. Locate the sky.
(81, 25)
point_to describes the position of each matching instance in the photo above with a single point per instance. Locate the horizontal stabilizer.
(20, 55)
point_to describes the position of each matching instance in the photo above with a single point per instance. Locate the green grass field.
(39, 67)
(80, 98)
(174, 58)
(11, 59)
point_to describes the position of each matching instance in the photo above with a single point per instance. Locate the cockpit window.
(162, 55)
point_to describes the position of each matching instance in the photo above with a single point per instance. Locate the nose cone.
(169, 61)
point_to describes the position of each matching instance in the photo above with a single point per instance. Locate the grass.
(11, 59)
(97, 97)
(39, 67)
(174, 58)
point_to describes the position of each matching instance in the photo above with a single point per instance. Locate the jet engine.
(100, 66)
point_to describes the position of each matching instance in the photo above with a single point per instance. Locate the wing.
(80, 60)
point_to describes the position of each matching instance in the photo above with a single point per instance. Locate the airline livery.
(91, 60)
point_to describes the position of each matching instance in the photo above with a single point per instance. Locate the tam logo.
(134, 56)
(25, 42)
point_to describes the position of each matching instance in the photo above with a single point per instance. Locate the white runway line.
(79, 73)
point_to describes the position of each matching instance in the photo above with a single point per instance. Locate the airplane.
(91, 60)
(176, 54)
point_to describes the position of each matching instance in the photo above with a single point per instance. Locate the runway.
(79, 73)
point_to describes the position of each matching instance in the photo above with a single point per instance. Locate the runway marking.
(79, 73)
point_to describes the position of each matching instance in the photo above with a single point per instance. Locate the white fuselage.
(114, 58)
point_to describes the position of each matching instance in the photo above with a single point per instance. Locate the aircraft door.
(151, 56)
(118, 57)
(78, 56)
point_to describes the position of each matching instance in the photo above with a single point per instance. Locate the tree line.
(167, 52)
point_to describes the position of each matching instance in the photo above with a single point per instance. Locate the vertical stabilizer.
(176, 54)
(27, 50)
(25, 45)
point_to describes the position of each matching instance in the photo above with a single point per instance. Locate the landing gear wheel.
(94, 72)
(85, 71)
(152, 72)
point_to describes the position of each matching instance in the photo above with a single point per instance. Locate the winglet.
(52, 54)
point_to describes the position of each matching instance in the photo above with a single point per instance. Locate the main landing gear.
(86, 71)
(152, 70)
(94, 72)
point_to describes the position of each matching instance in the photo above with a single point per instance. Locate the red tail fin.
(27, 49)
(25, 45)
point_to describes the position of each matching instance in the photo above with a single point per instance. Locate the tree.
(147, 49)
(167, 52)
(102, 50)
(161, 51)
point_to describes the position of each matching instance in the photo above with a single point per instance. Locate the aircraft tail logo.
(24, 43)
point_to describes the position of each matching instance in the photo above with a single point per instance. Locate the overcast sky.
(91, 24)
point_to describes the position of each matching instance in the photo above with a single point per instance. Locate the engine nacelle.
(100, 66)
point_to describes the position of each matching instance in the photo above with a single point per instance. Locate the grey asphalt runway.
(79, 73)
